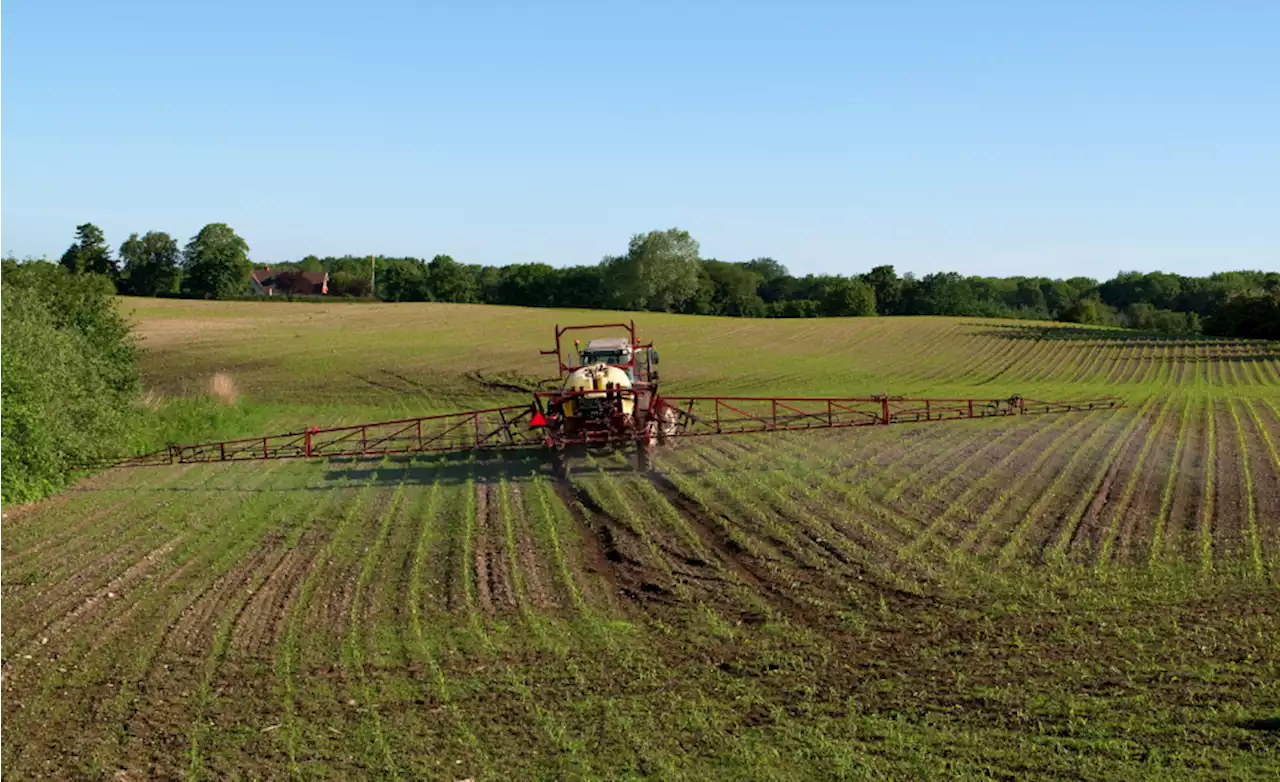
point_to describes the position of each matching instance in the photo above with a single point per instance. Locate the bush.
(70, 376)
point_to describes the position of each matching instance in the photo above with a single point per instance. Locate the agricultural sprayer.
(608, 400)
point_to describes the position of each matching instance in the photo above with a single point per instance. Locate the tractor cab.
(615, 351)
(638, 360)
(619, 352)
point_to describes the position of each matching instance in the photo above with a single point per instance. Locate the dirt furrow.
(193, 632)
(1182, 525)
(1088, 533)
(494, 581)
(539, 585)
(261, 626)
(1231, 491)
(1143, 506)
(117, 589)
(1266, 481)
(1140, 497)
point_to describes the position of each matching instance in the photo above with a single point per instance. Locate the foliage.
(658, 273)
(89, 254)
(1254, 314)
(662, 271)
(448, 280)
(216, 263)
(151, 264)
(70, 375)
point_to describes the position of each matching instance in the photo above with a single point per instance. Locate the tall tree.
(150, 263)
(89, 253)
(659, 272)
(216, 263)
(449, 280)
(888, 289)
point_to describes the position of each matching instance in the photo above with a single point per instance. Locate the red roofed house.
(289, 283)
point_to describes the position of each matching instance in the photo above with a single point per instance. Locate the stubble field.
(1090, 595)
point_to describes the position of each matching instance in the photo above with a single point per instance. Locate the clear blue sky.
(982, 137)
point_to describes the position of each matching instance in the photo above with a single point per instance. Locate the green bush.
(70, 376)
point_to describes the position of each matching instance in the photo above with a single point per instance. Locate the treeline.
(214, 264)
(664, 271)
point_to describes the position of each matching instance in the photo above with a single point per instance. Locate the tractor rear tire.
(559, 463)
(644, 456)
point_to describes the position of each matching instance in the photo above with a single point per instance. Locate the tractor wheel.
(559, 463)
(644, 455)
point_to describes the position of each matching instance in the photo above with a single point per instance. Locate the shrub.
(70, 376)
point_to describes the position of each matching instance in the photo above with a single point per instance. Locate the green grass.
(1095, 596)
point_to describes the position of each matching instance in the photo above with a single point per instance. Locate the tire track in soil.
(729, 554)
(569, 561)
(614, 550)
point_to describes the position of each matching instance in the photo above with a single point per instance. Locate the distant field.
(1077, 596)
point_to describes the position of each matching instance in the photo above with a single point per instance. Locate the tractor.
(608, 400)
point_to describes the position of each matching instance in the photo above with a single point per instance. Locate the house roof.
(291, 282)
(264, 276)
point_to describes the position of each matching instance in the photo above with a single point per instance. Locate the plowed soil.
(1091, 596)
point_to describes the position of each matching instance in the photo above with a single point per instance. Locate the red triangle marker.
(537, 420)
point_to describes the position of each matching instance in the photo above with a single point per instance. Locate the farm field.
(1081, 596)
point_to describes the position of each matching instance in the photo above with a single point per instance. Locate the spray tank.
(605, 390)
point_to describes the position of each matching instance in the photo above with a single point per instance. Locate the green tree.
(216, 263)
(768, 269)
(448, 280)
(734, 289)
(70, 375)
(659, 272)
(1028, 296)
(526, 285)
(89, 253)
(150, 264)
(402, 280)
(888, 289)
(843, 296)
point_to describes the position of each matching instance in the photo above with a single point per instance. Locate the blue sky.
(982, 137)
